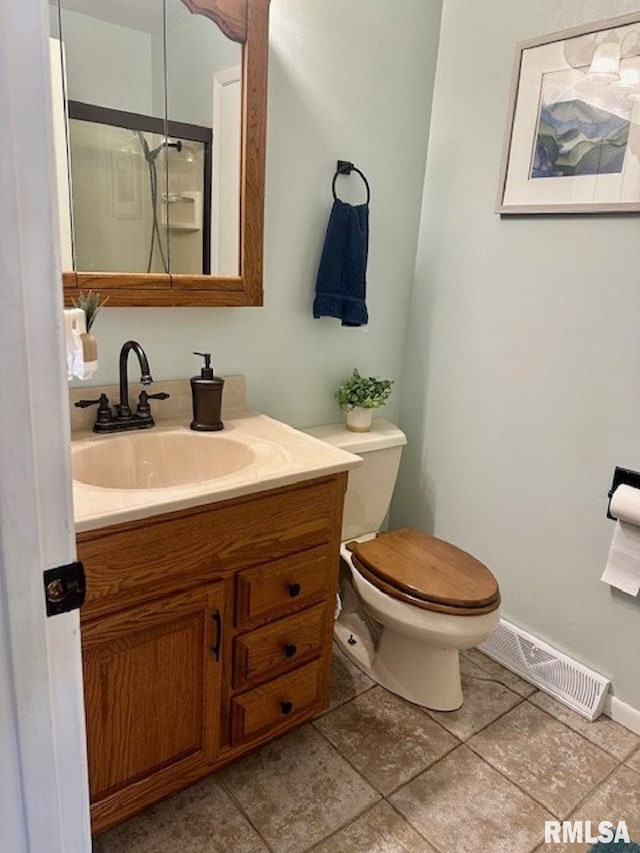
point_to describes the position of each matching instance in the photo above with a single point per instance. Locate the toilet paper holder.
(622, 477)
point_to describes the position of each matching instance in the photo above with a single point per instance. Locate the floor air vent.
(578, 687)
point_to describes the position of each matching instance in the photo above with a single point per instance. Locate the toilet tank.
(371, 484)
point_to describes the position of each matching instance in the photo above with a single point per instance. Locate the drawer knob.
(289, 650)
(294, 589)
(287, 707)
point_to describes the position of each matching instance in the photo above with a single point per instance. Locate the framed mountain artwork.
(573, 136)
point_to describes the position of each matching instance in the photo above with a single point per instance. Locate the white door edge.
(43, 785)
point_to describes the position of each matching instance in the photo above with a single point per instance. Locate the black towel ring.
(345, 168)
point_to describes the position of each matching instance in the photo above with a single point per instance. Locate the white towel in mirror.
(75, 327)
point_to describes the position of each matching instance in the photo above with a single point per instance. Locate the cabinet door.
(152, 692)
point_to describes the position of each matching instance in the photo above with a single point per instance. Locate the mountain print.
(575, 138)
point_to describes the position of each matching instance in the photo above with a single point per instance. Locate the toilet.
(409, 602)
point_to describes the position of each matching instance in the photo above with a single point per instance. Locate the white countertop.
(282, 456)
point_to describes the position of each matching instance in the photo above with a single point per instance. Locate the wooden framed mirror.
(244, 22)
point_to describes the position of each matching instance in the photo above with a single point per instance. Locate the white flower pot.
(359, 420)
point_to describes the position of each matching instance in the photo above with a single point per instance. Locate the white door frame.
(225, 172)
(43, 779)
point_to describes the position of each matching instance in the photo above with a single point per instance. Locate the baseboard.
(622, 713)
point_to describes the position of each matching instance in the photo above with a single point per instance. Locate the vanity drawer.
(278, 647)
(284, 586)
(138, 561)
(276, 703)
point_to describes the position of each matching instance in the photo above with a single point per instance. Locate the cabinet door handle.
(218, 623)
(289, 650)
(294, 589)
(287, 707)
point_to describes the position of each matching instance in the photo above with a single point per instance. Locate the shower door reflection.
(140, 195)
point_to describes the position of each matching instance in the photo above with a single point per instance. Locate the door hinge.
(64, 588)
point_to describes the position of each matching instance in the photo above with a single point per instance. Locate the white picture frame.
(572, 141)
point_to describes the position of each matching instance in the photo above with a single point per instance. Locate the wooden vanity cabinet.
(205, 633)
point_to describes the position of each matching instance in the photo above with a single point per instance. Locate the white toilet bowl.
(416, 654)
(412, 602)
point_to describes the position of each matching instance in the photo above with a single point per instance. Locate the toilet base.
(425, 675)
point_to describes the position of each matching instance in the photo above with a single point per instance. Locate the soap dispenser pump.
(207, 397)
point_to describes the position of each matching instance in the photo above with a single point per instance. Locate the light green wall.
(519, 388)
(351, 80)
(522, 369)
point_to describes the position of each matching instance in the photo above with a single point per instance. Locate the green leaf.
(368, 392)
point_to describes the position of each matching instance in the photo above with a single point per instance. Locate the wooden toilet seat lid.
(427, 572)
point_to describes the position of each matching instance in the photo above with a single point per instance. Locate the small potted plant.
(360, 395)
(91, 304)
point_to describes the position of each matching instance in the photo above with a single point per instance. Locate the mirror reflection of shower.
(140, 195)
(151, 155)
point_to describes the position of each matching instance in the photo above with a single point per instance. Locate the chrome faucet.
(122, 418)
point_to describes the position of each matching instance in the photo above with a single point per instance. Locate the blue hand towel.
(341, 283)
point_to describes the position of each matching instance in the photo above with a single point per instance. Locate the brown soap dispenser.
(207, 397)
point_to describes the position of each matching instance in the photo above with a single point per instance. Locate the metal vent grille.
(568, 681)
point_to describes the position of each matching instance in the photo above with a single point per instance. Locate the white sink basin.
(157, 460)
(130, 476)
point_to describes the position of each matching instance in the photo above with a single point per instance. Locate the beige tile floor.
(375, 774)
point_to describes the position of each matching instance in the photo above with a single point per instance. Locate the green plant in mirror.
(367, 392)
(91, 304)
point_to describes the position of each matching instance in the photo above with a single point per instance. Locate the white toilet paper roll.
(625, 505)
(623, 565)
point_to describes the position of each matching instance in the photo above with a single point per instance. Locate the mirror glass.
(153, 136)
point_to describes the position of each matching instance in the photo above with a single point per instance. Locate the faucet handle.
(105, 415)
(102, 401)
(143, 409)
